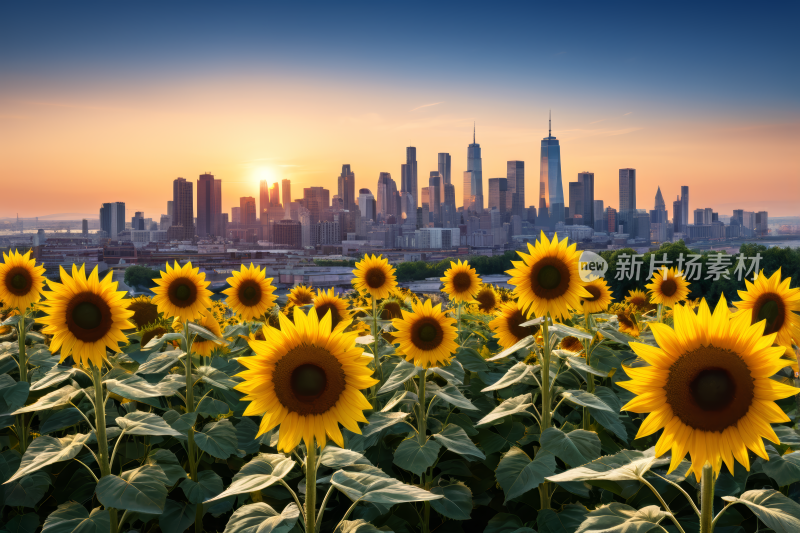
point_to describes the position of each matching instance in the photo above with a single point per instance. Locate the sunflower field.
(555, 407)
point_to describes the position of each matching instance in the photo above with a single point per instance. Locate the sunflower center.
(625, 320)
(461, 282)
(518, 331)
(669, 287)
(594, 291)
(550, 278)
(391, 310)
(143, 313)
(709, 388)
(427, 334)
(250, 293)
(323, 309)
(375, 278)
(769, 307)
(308, 380)
(18, 281)
(182, 292)
(638, 301)
(486, 300)
(88, 317)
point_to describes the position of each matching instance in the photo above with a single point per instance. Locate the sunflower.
(486, 299)
(570, 344)
(85, 316)
(306, 377)
(709, 387)
(251, 293)
(600, 299)
(461, 282)
(547, 280)
(638, 299)
(152, 330)
(301, 295)
(374, 276)
(627, 321)
(772, 300)
(507, 328)
(21, 281)
(325, 302)
(426, 335)
(144, 311)
(668, 287)
(202, 346)
(182, 292)
(391, 308)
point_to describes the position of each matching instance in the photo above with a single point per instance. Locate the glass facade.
(551, 189)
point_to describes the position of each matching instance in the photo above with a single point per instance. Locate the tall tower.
(627, 198)
(182, 210)
(685, 205)
(409, 178)
(286, 196)
(435, 198)
(209, 210)
(263, 199)
(515, 174)
(347, 188)
(551, 189)
(444, 168)
(475, 168)
(587, 180)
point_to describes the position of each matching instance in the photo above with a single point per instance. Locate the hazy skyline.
(111, 103)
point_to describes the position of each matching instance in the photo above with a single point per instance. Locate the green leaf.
(517, 474)
(605, 415)
(207, 486)
(208, 406)
(398, 398)
(60, 420)
(246, 431)
(23, 523)
(168, 462)
(261, 472)
(471, 360)
(402, 372)
(218, 439)
(177, 516)
(181, 423)
(415, 458)
(624, 466)
(137, 388)
(506, 523)
(512, 406)
(53, 399)
(378, 489)
(203, 332)
(778, 512)
(452, 373)
(521, 345)
(519, 373)
(456, 440)
(567, 521)
(359, 526)
(141, 423)
(503, 437)
(574, 448)
(14, 393)
(620, 518)
(784, 469)
(261, 518)
(28, 490)
(565, 331)
(578, 363)
(617, 336)
(47, 450)
(452, 395)
(456, 502)
(159, 363)
(215, 378)
(586, 399)
(72, 517)
(336, 458)
(142, 489)
(787, 436)
(381, 421)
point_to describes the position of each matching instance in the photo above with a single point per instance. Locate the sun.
(263, 173)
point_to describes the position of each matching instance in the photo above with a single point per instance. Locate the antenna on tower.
(473, 132)
(550, 125)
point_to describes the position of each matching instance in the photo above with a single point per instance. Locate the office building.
(627, 199)
(449, 212)
(247, 210)
(684, 205)
(112, 219)
(288, 233)
(551, 190)
(435, 198)
(444, 167)
(182, 227)
(409, 181)
(576, 201)
(600, 223)
(347, 188)
(263, 199)
(274, 195)
(367, 204)
(586, 179)
(762, 223)
(209, 205)
(474, 177)
(387, 196)
(317, 201)
(515, 174)
(677, 216)
(498, 195)
(236, 215)
(286, 195)
(611, 220)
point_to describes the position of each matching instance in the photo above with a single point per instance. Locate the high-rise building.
(387, 196)
(169, 208)
(699, 217)
(762, 223)
(551, 189)
(684, 205)
(498, 195)
(85, 227)
(576, 201)
(475, 176)
(587, 180)
(409, 180)
(444, 167)
(659, 215)
(209, 208)
(236, 215)
(182, 228)
(317, 201)
(247, 210)
(286, 196)
(274, 195)
(263, 199)
(611, 219)
(449, 212)
(627, 198)
(677, 216)
(599, 223)
(288, 233)
(367, 204)
(468, 198)
(347, 188)
(435, 198)
(112, 219)
(515, 174)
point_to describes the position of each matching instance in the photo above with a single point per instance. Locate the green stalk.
(311, 488)
(587, 418)
(707, 499)
(660, 308)
(376, 359)
(191, 447)
(102, 440)
(458, 314)
(423, 429)
(544, 489)
(22, 431)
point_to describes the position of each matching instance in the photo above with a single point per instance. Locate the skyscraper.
(182, 210)
(274, 195)
(409, 180)
(551, 189)
(209, 210)
(367, 204)
(263, 199)
(347, 188)
(627, 198)
(576, 201)
(387, 195)
(587, 180)
(316, 200)
(685, 205)
(286, 195)
(659, 215)
(611, 219)
(112, 219)
(677, 216)
(599, 223)
(498, 194)
(85, 227)
(515, 174)
(475, 176)
(247, 210)
(444, 167)
(435, 198)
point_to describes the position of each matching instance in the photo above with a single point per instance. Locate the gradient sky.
(111, 102)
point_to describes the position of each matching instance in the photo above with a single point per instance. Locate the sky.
(111, 102)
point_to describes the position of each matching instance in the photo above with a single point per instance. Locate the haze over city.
(103, 103)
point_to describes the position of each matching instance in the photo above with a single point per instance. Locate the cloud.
(628, 113)
(427, 105)
(597, 121)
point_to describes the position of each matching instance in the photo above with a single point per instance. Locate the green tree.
(140, 277)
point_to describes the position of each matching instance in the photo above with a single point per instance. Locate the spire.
(473, 132)
(550, 125)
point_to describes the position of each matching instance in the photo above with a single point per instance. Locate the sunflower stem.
(102, 441)
(22, 431)
(707, 499)
(544, 489)
(191, 447)
(375, 352)
(422, 438)
(587, 418)
(660, 310)
(311, 488)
